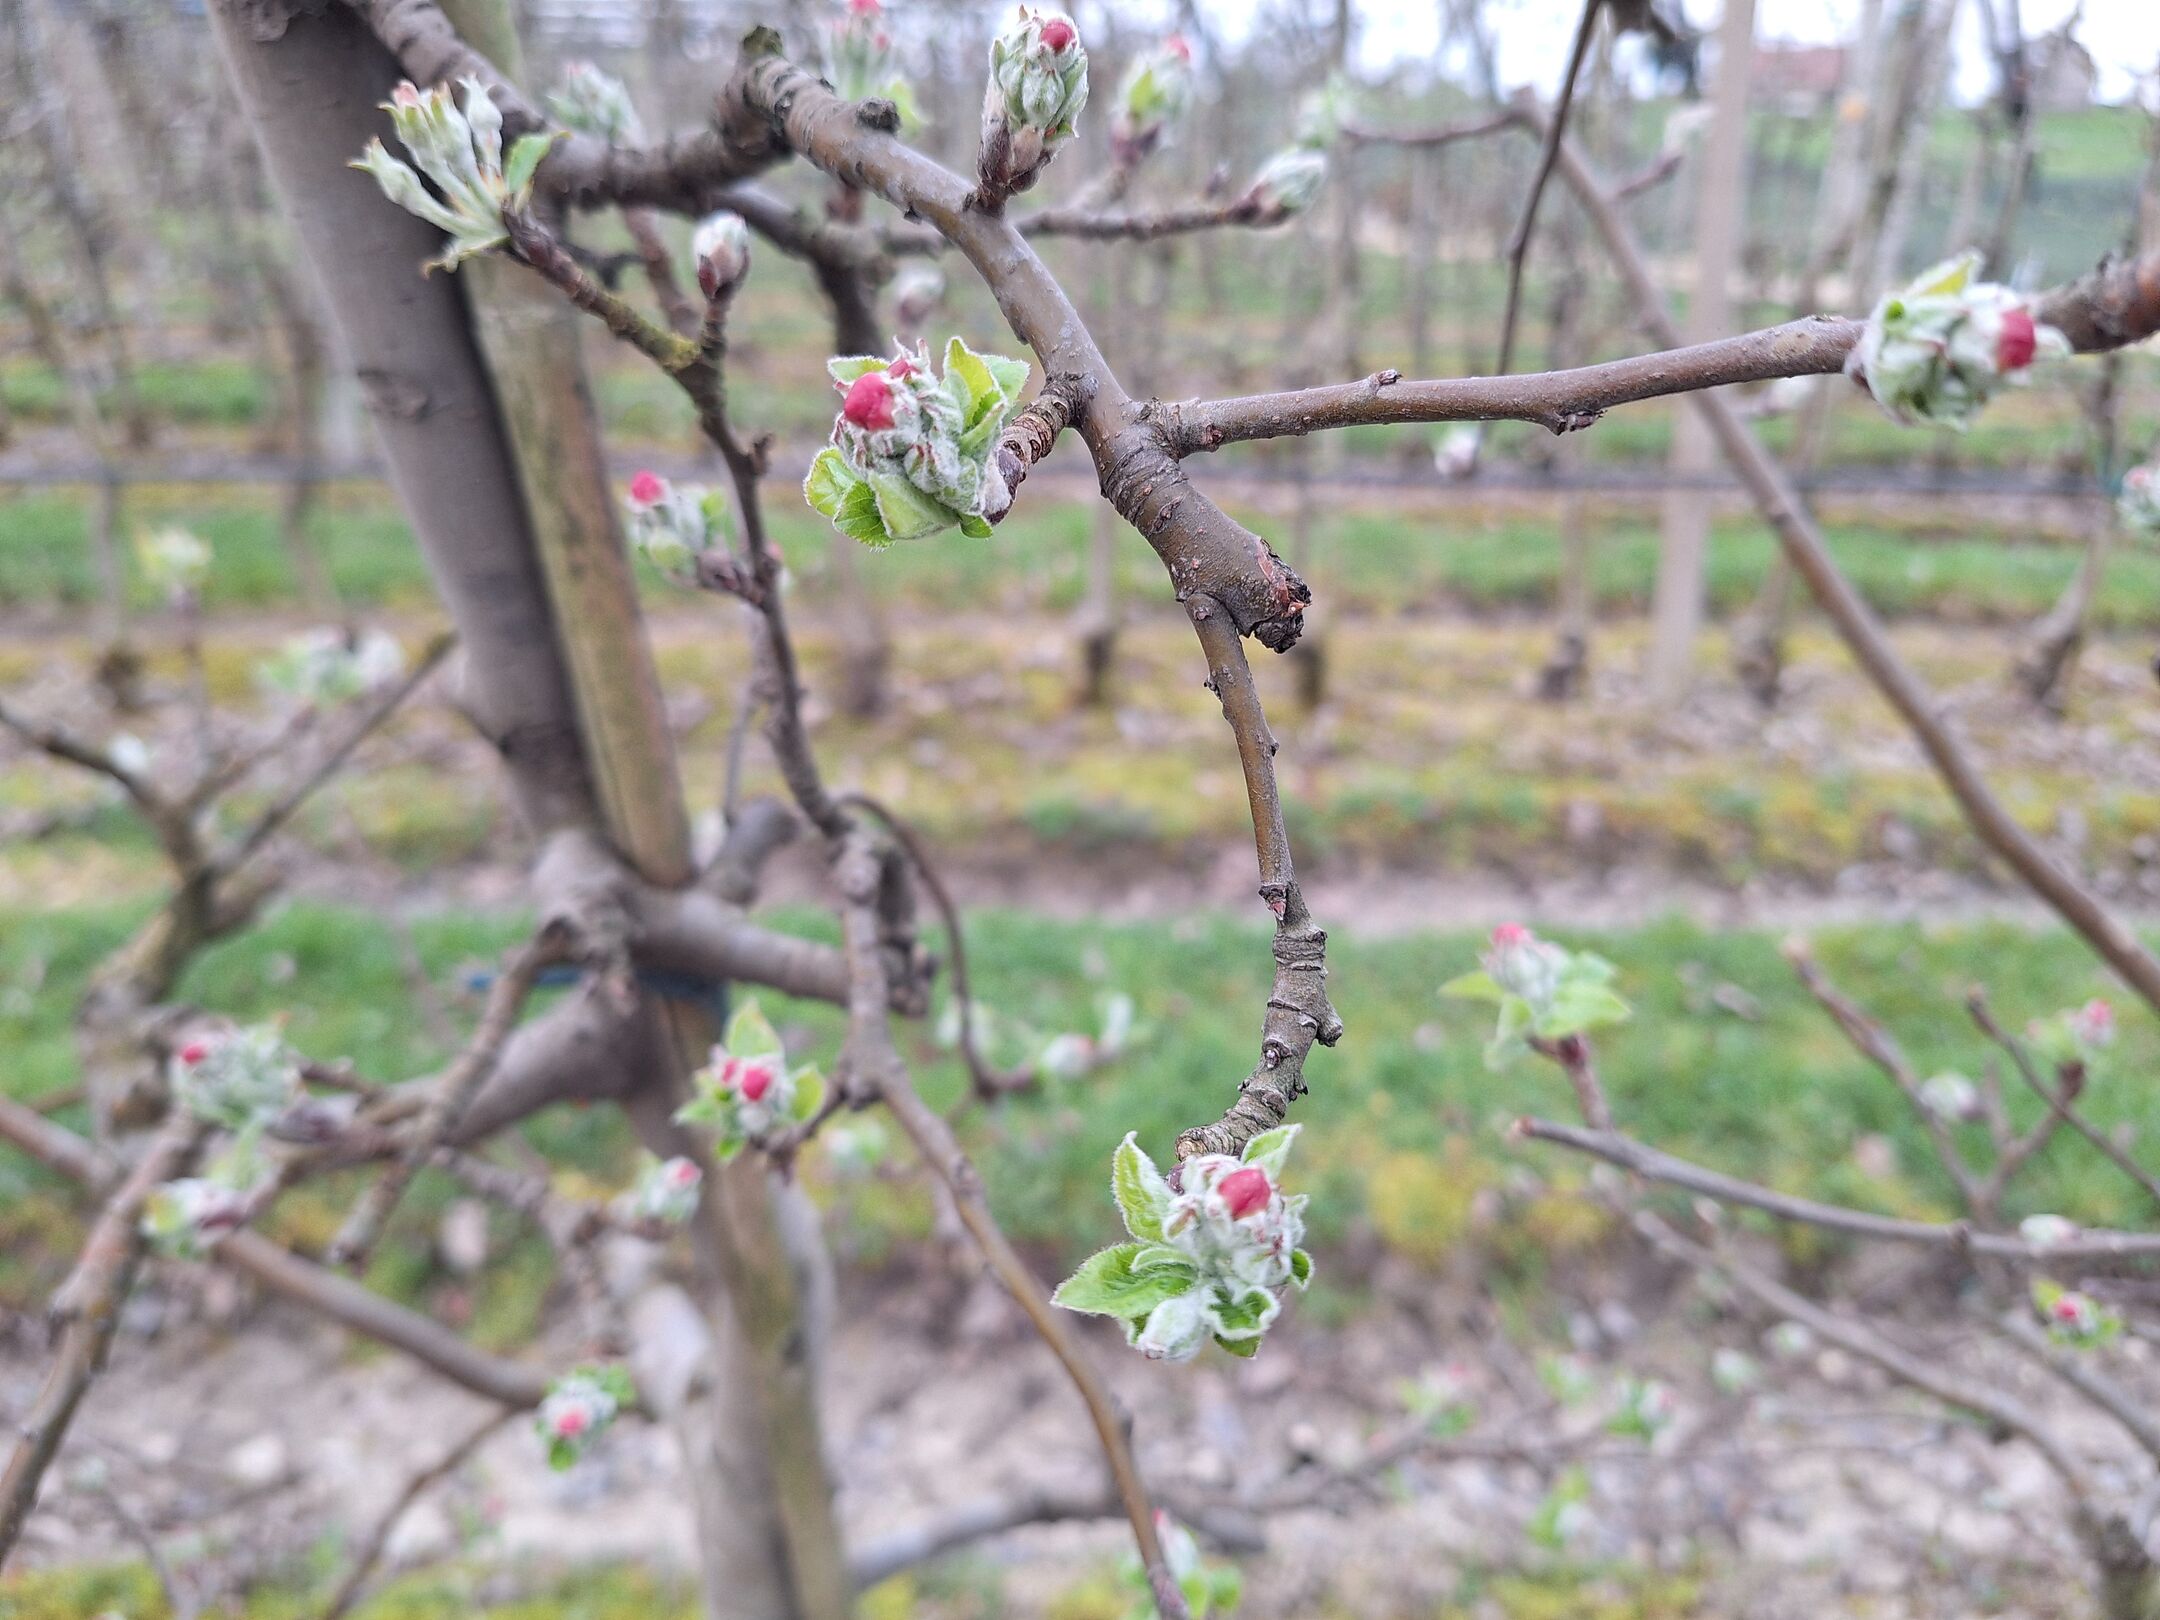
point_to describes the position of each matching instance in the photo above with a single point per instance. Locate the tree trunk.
(309, 89)
(1677, 611)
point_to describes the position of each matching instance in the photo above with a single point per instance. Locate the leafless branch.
(88, 1308)
(1518, 249)
(371, 1549)
(1956, 1237)
(449, 1098)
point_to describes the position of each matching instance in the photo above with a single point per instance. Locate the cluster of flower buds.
(240, 1080)
(2047, 1231)
(174, 563)
(664, 1194)
(675, 524)
(579, 1407)
(328, 665)
(1155, 93)
(1541, 989)
(182, 1220)
(913, 452)
(1287, 184)
(1210, 1257)
(720, 248)
(462, 154)
(856, 1147)
(1935, 350)
(747, 1092)
(2072, 1318)
(859, 60)
(1031, 106)
(1646, 1408)
(1950, 1096)
(1072, 1054)
(595, 103)
(2074, 1037)
(2138, 506)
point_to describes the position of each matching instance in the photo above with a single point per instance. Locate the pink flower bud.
(571, 1423)
(1057, 33)
(1244, 1191)
(901, 367)
(869, 402)
(1510, 936)
(647, 490)
(194, 1052)
(407, 94)
(2094, 1023)
(2018, 338)
(757, 1079)
(1178, 46)
(864, 8)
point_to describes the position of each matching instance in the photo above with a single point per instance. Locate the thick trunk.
(551, 701)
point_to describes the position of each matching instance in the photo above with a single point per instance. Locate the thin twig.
(1518, 250)
(378, 1537)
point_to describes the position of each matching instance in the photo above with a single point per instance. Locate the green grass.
(1404, 1121)
(1363, 556)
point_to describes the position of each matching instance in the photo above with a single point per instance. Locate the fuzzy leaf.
(830, 483)
(1301, 1268)
(907, 512)
(750, 1034)
(1244, 1349)
(1108, 1284)
(809, 1092)
(1143, 1196)
(524, 161)
(1270, 1150)
(1579, 1007)
(975, 528)
(1477, 986)
(847, 367)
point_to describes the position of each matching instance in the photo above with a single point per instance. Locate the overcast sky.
(2123, 35)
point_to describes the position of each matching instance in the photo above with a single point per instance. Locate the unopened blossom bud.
(1950, 1096)
(1031, 105)
(869, 402)
(2047, 1231)
(923, 444)
(1288, 184)
(754, 1081)
(1244, 1191)
(1154, 94)
(1524, 965)
(239, 1081)
(665, 1192)
(859, 61)
(2093, 1024)
(579, 1407)
(595, 103)
(1934, 350)
(174, 562)
(330, 665)
(183, 1220)
(2139, 504)
(674, 524)
(722, 248)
